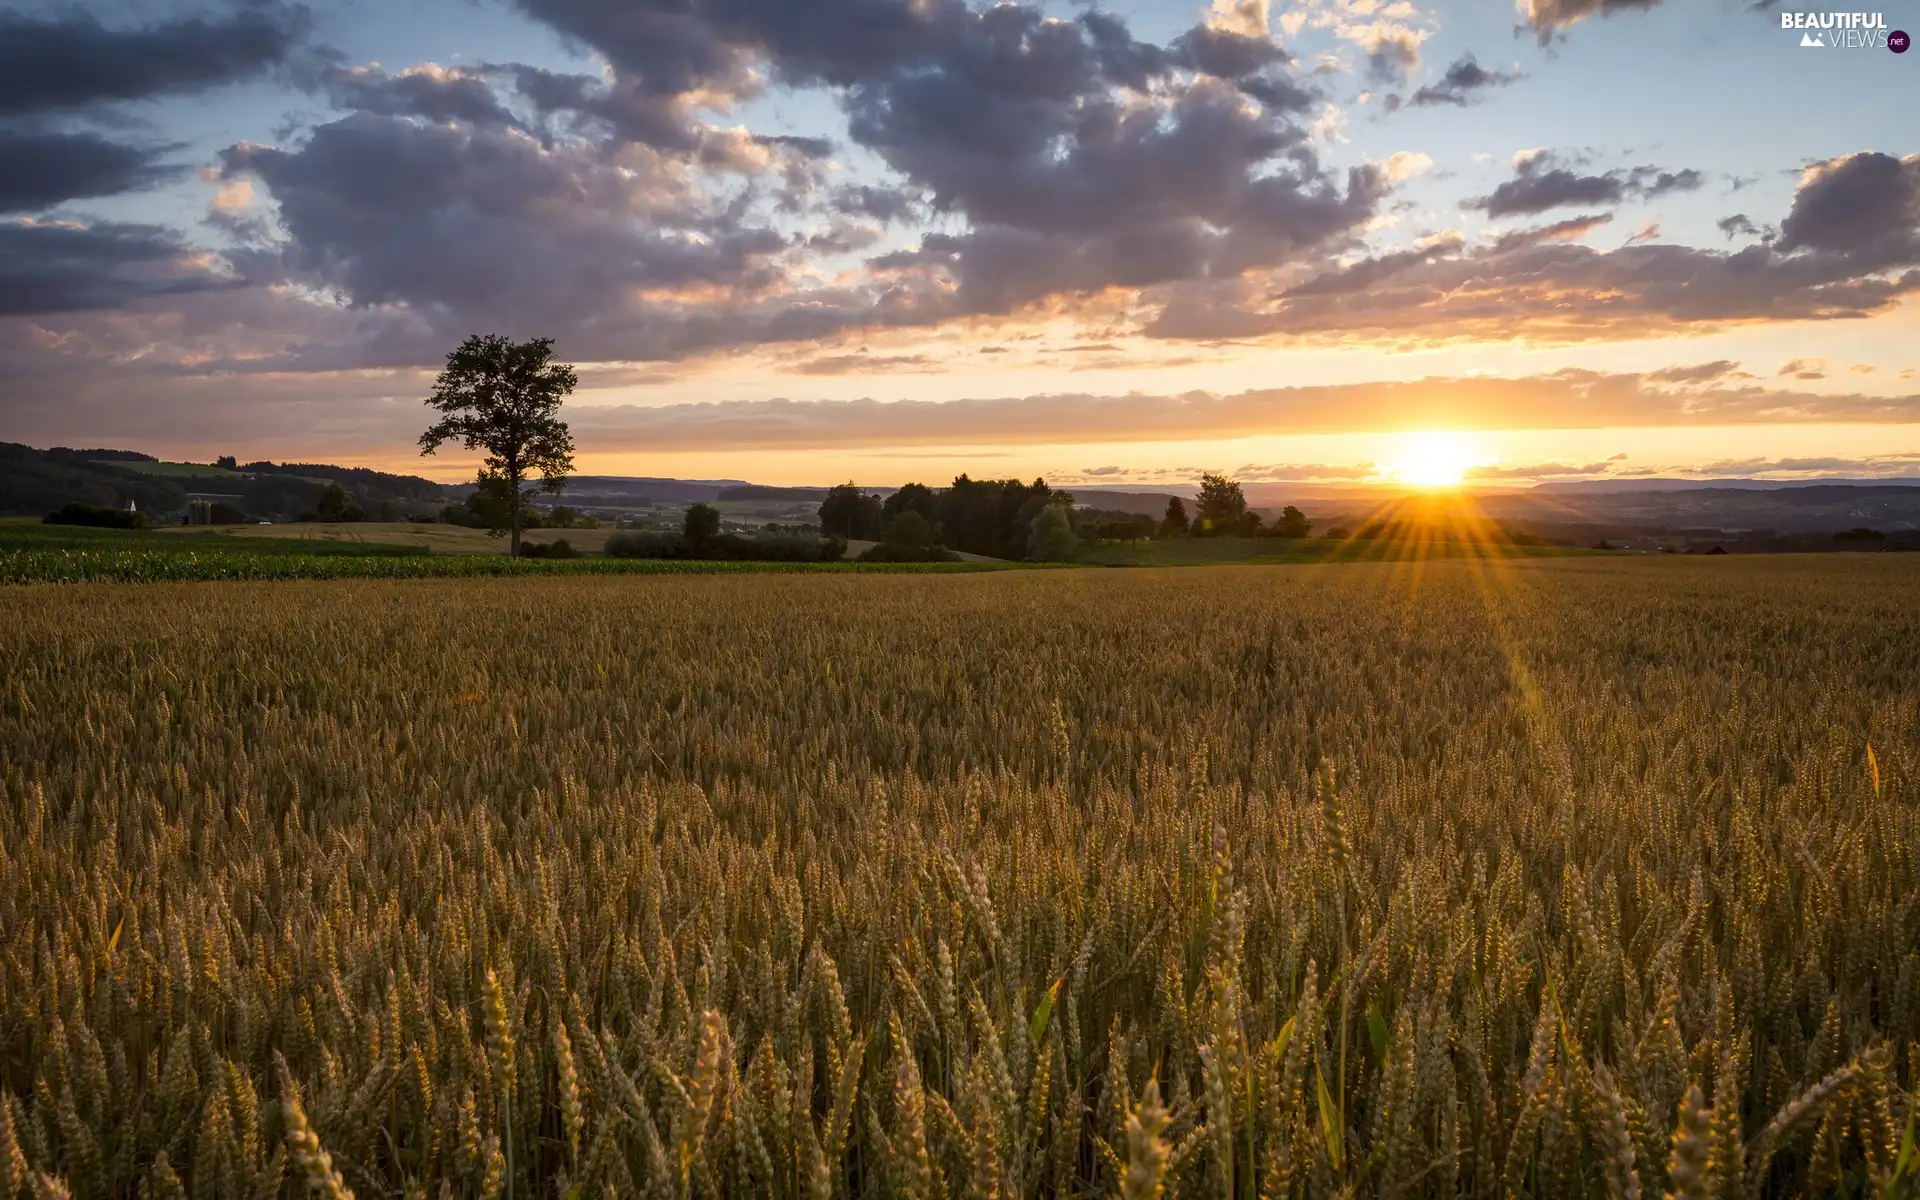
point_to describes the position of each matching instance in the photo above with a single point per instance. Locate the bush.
(893, 552)
(647, 543)
(661, 543)
(76, 513)
(1051, 538)
(559, 548)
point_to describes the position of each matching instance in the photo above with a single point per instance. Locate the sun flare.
(1431, 460)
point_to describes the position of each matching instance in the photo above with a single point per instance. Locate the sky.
(889, 240)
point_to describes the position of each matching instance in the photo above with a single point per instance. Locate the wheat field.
(1577, 877)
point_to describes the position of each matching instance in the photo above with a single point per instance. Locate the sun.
(1431, 460)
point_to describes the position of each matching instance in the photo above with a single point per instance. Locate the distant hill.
(34, 482)
(1145, 504)
(1819, 506)
(641, 490)
(1698, 485)
(760, 491)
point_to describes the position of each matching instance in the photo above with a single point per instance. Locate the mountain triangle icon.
(1813, 39)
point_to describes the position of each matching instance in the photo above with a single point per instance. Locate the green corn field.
(1546, 878)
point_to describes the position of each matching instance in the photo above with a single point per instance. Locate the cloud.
(41, 169)
(1559, 291)
(1546, 470)
(1804, 368)
(1737, 225)
(1539, 184)
(54, 267)
(1392, 58)
(1742, 468)
(1565, 400)
(1570, 230)
(429, 91)
(1304, 472)
(865, 364)
(1403, 165)
(1862, 202)
(72, 61)
(483, 226)
(1463, 84)
(72, 375)
(1034, 162)
(1697, 373)
(1550, 18)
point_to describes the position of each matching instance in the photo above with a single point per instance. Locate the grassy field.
(440, 539)
(1560, 877)
(32, 553)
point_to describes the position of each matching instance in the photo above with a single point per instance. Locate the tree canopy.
(1050, 536)
(1223, 508)
(849, 512)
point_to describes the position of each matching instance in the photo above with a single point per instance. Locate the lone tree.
(1223, 508)
(503, 397)
(700, 526)
(1174, 524)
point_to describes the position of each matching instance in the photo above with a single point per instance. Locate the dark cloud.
(1549, 18)
(1462, 85)
(808, 147)
(1078, 157)
(1737, 225)
(431, 93)
(1569, 230)
(1223, 53)
(884, 204)
(1068, 157)
(53, 267)
(1537, 188)
(1855, 203)
(1368, 272)
(72, 61)
(1539, 185)
(486, 225)
(41, 169)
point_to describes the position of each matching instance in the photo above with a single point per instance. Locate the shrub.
(893, 552)
(559, 548)
(93, 515)
(727, 547)
(646, 543)
(1050, 537)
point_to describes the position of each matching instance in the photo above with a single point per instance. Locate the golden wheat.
(1455, 878)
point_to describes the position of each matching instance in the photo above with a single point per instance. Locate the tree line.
(998, 518)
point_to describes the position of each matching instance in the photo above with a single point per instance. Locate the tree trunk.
(513, 511)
